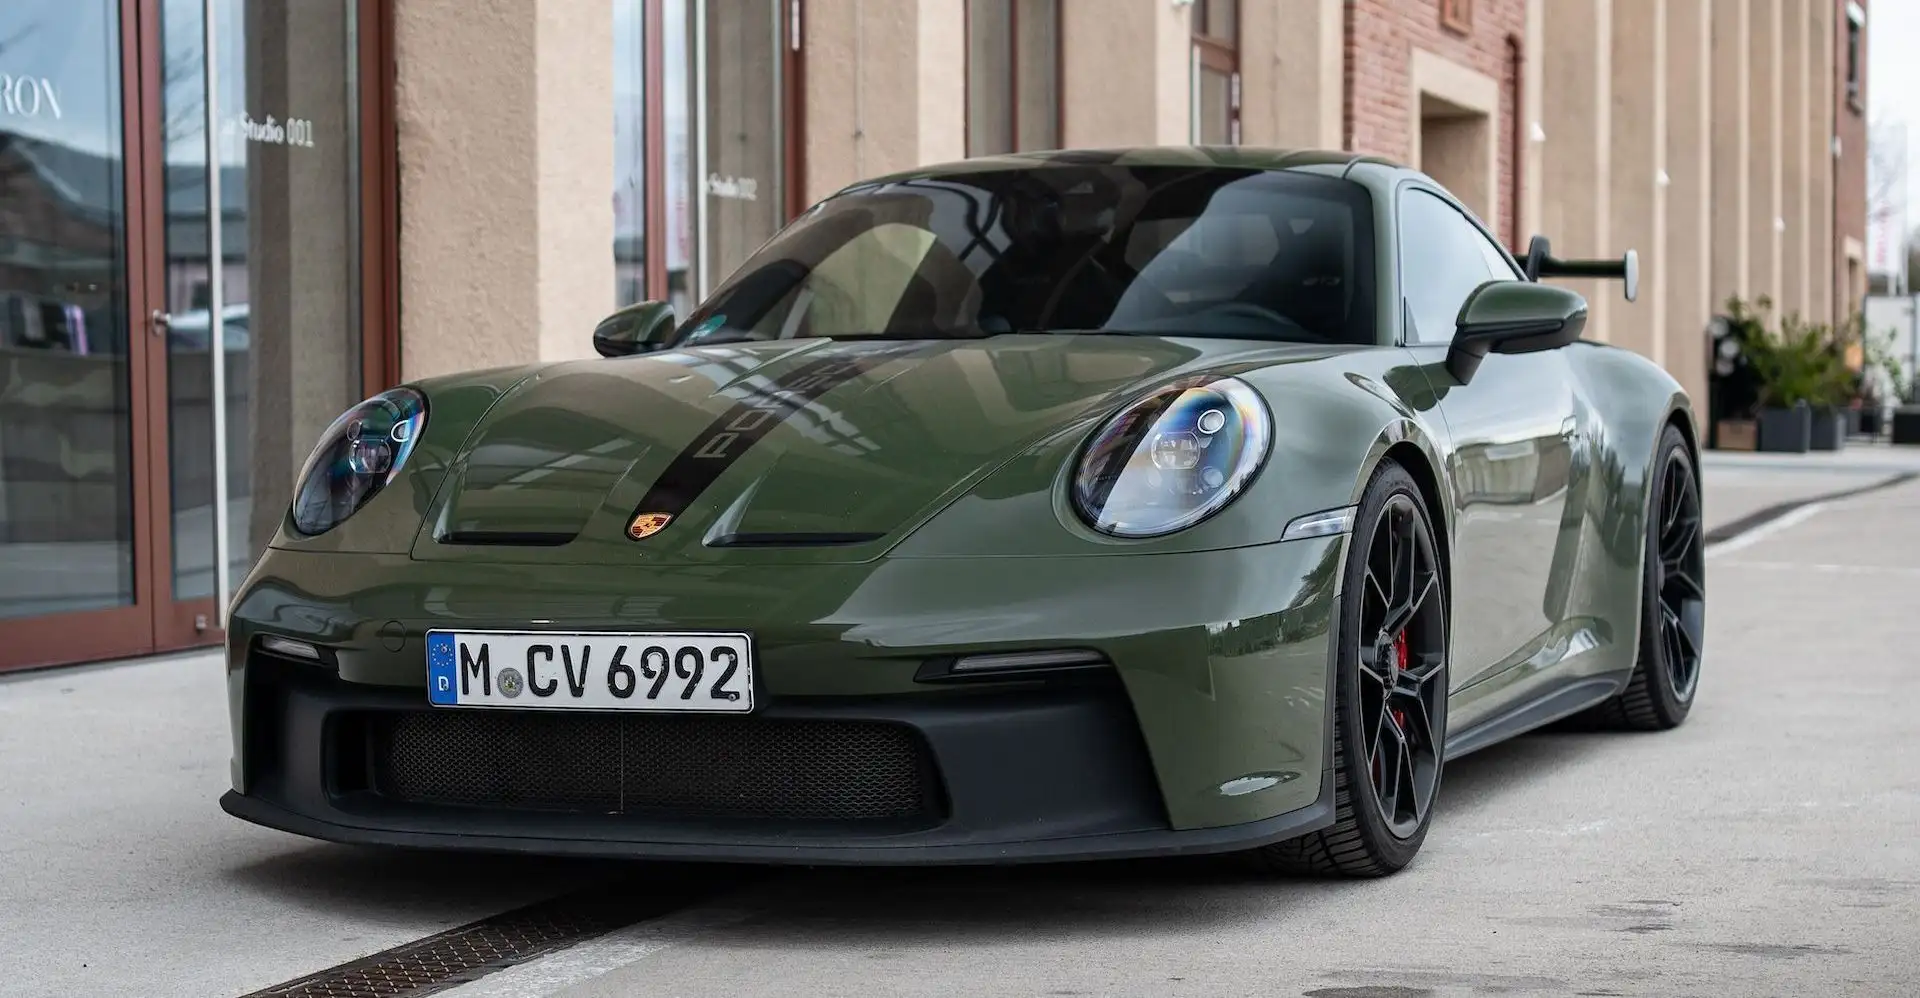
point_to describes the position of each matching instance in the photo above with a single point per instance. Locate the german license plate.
(710, 672)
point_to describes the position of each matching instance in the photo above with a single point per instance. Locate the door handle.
(159, 322)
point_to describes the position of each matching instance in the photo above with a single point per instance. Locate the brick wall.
(1381, 35)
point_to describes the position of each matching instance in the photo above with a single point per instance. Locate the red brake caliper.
(1400, 665)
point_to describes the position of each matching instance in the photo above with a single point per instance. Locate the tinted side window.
(1442, 259)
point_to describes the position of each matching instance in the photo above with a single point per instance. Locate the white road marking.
(1767, 529)
(1904, 571)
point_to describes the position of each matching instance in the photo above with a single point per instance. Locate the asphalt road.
(1771, 846)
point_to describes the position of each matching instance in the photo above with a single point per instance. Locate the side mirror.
(1513, 317)
(638, 328)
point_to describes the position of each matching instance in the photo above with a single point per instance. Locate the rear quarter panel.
(1632, 401)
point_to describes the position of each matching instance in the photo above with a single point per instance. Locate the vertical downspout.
(1517, 167)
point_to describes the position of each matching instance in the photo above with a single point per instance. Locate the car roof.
(1226, 157)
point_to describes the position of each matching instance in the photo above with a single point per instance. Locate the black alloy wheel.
(1673, 608)
(1403, 662)
(1390, 690)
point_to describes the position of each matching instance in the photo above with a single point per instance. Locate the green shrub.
(1797, 363)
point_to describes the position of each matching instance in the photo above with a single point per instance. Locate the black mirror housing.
(639, 328)
(1513, 317)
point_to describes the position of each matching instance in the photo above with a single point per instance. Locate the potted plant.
(1786, 363)
(1906, 416)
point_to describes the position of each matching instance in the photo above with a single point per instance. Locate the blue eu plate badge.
(443, 669)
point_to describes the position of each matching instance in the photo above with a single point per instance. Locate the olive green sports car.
(1055, 506)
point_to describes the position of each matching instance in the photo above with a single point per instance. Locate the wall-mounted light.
(1779, 224)
(1537, 133)
(1661, 179)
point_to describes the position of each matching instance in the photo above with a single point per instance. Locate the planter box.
(1906, 424)
(1786, 431)
(1735, 434)
(1827, 429)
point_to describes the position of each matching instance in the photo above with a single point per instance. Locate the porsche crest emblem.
(645, 525)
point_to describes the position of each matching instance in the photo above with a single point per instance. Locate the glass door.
(727, 148)
(72, 353)
(285, 290)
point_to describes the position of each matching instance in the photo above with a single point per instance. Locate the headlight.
(360, 454)
(1173, 458)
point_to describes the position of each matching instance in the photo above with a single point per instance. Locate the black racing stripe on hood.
(747, 421)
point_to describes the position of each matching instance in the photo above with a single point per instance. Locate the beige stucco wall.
(1576, 167)
(886, 88)
(504, 115)
(1126, 73)
(1636, 145)
(1732, 149)
(1291, 64)
(504, 241)
(1687, 257)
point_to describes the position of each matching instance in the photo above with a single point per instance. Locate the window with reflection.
(1081, 249)
(1013, 76)
(66, 463)
(287, 326)
(1216, 72)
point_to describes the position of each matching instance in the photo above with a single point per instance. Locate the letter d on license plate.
(687, 671)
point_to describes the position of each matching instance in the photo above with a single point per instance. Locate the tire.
(1372, 837)
(1666, 671)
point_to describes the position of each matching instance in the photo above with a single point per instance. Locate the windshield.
(1161, 250)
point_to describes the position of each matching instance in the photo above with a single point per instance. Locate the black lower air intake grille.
(665, 766)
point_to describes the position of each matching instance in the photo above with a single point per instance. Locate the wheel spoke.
(1420, 723)
(1374, 741)
(1372, 668)
(1387, 784)
(1670, 639)
(1677, 540)
(1379, 592)
(1683, 629)
(1404, 783)
(1679, 577)
(1425, 668)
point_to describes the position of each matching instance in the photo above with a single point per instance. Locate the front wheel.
(1389, 689)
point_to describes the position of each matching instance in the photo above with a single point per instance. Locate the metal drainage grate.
(460, 955)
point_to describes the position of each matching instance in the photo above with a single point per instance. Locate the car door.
(1514, 429)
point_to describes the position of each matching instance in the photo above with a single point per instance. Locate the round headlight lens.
(1174, 458)
(360, 454)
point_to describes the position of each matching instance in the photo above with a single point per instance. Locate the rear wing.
(1540, 262)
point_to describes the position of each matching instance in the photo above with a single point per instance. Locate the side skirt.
(1563, 701)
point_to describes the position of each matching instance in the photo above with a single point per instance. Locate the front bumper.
(1043, 774)
(1209, 731)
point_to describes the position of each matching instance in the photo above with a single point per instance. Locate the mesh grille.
(668, 766)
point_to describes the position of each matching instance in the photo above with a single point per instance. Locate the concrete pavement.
(1768, 847)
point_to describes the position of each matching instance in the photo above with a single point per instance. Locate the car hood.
(820, 450)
